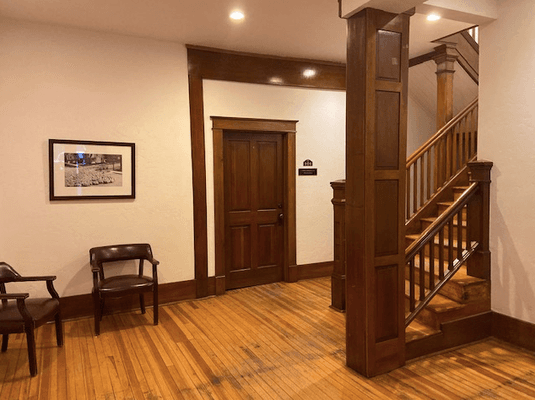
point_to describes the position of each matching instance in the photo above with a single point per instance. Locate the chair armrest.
(94, 267)
(12, 296)
(36, 278)
(153, 261)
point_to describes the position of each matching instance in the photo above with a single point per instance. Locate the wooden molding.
(315, 270)
(224, 65)
(454, 333)
(514, 331)
(287, 128)
(82, 305)
(421, 59)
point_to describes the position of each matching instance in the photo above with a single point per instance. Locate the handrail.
(438, 223)
(433, 139)
(440, 159)
(427, 238)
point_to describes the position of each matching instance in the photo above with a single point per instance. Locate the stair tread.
(460, 187)
(415, 236)
(439, 303)
(416, 330)
(433, 219)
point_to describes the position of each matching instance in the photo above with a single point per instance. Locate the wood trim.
(287, 128)
(79, 306)
(514, 331)
(421, 59)
(224, 65)
(454, 333)
(218, 64)
(315, 270)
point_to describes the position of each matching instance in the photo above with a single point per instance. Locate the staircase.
(447, 263)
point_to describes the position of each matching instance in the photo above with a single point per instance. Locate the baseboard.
(454, 333)
(514, 331)
(316, 270)
(82, 305)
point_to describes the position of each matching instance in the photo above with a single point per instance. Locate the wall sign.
(308, 171)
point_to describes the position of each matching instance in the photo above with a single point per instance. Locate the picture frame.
(84, 169)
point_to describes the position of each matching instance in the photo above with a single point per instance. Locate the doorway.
(254, 199)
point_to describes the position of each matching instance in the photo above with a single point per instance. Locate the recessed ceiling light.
(237, 15)
(309, 73)
(433, 17)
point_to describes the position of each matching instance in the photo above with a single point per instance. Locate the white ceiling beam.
(351, 7)
(473, 12)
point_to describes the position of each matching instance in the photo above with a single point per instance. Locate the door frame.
(287, 128)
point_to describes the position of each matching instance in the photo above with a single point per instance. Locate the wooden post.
(338, 277)
(376, 136)
(445, 58)
(479, 220)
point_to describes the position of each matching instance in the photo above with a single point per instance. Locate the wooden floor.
(278, 341)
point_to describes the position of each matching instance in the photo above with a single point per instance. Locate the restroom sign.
(308, 171)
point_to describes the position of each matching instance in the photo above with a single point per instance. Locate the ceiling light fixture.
(309, 73)
(433, 17)
(237, 15)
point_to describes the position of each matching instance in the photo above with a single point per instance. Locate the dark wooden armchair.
(122, 285)
(19, 313)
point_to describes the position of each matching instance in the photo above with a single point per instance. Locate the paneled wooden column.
(377, 72)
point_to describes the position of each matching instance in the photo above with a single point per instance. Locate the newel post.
(479, 219)
(338, 277)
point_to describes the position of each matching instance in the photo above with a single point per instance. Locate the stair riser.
(443, 207)
(425, 225)
(434, 318)
(461, 293)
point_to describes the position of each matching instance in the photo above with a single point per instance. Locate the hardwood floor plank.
(277, 341)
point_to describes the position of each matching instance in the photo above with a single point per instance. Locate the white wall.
(421, 124)
(507, 137)
(73, 84)
(320, 137)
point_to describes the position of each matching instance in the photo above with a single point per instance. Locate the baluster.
(412, 295)
(441, 254)
(455, 148)
(428, 174)
(434, 152)
(408, 193)
(415, 187)
(474, 133)
(432, 263)
(450, 244)
(422, 180)
(466, 139)
(460, 234)
(448, 167)
(422, 273)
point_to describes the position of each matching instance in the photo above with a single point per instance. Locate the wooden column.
(376, 130)
(445, 60)
(338, 277)
(479, 220)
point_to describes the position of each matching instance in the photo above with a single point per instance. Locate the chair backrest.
(120, 252)
(7, 273)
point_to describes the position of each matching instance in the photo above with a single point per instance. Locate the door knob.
(281, 216)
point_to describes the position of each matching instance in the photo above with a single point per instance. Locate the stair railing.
(458, 236)
(438, 160)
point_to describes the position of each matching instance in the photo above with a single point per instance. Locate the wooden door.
(253, 185)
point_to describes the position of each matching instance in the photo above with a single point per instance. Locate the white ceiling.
(294, 28)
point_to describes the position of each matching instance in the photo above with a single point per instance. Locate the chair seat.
(125, 283)
(40, 310)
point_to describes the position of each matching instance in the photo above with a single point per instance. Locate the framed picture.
(82, 169)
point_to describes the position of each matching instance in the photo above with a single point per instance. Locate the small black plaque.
(308, 171)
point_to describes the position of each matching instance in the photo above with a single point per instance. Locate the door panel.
(253, 184)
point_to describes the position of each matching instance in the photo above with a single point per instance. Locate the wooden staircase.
(447, 263)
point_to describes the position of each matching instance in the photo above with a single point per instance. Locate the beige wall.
(507, 137)
(320, 137)
(72, 84)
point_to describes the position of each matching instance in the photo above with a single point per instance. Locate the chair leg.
(5, 339)
(32, 358)
(142, 303)
(155, 305)
(59, 330)
(96, 306)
